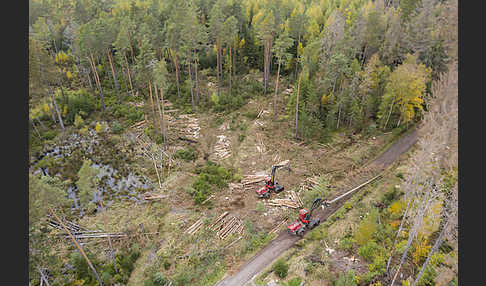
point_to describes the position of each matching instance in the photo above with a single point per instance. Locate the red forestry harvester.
(271, 185)
(306, 221)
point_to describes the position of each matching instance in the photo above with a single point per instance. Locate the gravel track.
(284, 241)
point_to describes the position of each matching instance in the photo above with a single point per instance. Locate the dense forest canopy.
(363, 63)
(352, 65)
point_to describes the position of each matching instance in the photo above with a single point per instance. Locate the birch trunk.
(57, 110)
(77, 246)
(436, 246)
(106, 229)
(398, 234)
(418, 221)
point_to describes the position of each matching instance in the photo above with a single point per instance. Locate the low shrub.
(128, 112)
(78, 102)
(369, 250)
(294, 281)
(187, 155)
(210, 176)
(346, 279)
(366, 229)
(117, 127)
(281, 268)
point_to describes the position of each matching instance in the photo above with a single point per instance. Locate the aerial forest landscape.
(251, 142)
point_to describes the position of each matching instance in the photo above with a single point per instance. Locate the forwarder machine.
(306, 221)
(271, 185)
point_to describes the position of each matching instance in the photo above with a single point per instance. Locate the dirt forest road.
(284, 241)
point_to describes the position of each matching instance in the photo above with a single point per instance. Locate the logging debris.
(222, 147)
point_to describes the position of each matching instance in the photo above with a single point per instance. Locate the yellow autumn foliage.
(396, 208)
(421, 251)
(46, 108)
(98, 127)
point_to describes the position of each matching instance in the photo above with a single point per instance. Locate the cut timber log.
(187, 139)
(194, 226)
(150, 197)
(218, 219)
(226, 227)
(138, 123)
(232, 229)
(196, 229)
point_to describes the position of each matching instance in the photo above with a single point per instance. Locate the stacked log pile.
(190, 125)
(293, 201)
(225, 225)
(222, 148)
(283, 203)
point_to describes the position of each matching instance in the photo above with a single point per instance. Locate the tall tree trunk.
(296, 61)
(171, 60)
(43, 276)
(95, 72)
(297, 108)
(234, 61)
(276, 91)
(57, 110)
(77, 246)
(190, 81)
(195, 73)
(106, 229)
(425, 205)
(339, 115)
(129, 75)
(230, 64)
(125, 75)
(35, 129)
(436, 246)
(153, 107)
(53, 115)
(90, 82)
(113, 72)
(391, 109)
(398, 234)
(219, 60)
(161, 113)
(131, 48)
(265, 66)
(177, 75)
